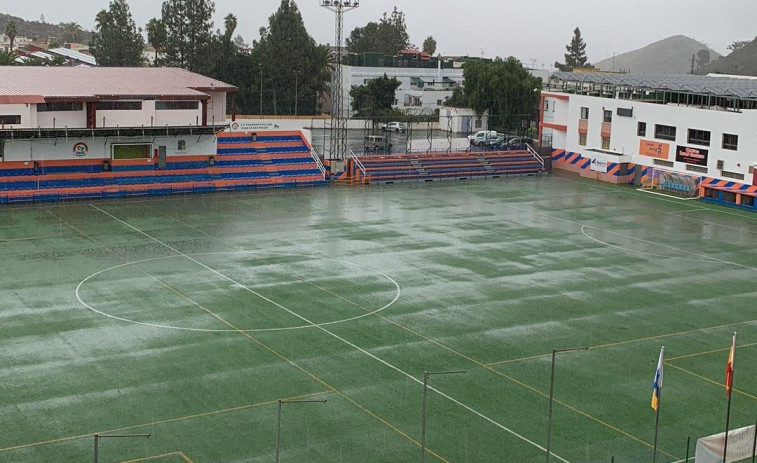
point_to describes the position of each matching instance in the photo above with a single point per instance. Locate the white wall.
(179, 117)
(100, 147)
(216, 107)
(624, 138)
(23, 110)
(60, 119)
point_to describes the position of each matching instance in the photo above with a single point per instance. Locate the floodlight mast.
(338, 142)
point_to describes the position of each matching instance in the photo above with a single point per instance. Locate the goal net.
(677, 184)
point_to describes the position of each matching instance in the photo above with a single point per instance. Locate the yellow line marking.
(30, 238)
(703, 378)
(330, 388)
(708, 352)
(159, 422)
(184, 457)
(445, 347)
(630, 341)
(156, 457)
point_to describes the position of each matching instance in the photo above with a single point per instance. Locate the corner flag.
(657, 384)
(729, 368)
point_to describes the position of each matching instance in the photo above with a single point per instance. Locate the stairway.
(484, 162)
(422, 173)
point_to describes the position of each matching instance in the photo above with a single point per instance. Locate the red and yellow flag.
(729, 368)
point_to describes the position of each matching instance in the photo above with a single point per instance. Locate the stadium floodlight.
(552, 392)
(278, 419)
(426, 375)
(111, 436)
(338, 137)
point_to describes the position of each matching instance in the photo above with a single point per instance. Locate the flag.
(657, 384)
(729, 368)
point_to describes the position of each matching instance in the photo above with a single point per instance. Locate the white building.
(462, 120)
(421, 91)
(617, 126)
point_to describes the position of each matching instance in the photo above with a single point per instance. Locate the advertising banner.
(689, 155)
(654, 149)
(599, 163)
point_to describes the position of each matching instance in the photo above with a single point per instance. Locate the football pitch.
(189, 317)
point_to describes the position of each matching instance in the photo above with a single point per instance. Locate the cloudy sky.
(534, 31)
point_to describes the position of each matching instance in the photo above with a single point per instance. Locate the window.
(132, 151)
(176, 105)
(660, 162)
(699, 137)
(582, 139)
(60, 106)
(10, 119)
(730, 142)
(546, 105)
(641, 129)
(438, 102)
(693, 168)
(608, 115)
(478, 123)
(734, 175)
(182, 145)
(665, 132)
(119, 105)
(584, 113)
(605, 143)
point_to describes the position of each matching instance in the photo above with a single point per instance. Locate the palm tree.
(71, 32)
(156, 36)
(10, 31)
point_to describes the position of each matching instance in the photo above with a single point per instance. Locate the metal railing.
(536, 155)
(357, 162)
(318, 161)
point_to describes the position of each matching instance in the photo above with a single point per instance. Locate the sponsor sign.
(689, 155)
(253, 126)
(654, 149)
(599, 163)
(80, 149)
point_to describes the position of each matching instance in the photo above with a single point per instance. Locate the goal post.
(677, 184)
(741, 446)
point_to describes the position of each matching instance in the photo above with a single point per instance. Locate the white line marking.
(257, 330)
(663, 194)
(702, 256)
(634, 251)
(337, 337)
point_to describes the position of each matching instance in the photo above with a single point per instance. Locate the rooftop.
(742, 88)
(98, 83)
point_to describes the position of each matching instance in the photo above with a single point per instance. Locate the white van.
(479, 138)
(377, 143)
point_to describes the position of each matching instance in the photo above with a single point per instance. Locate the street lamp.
(278, 419)
(260, 67)
(426, 375)
(117, 436)
(296, 90)
(552, 392)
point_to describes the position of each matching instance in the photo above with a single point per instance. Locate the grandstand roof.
(721, 86)
(95, 83)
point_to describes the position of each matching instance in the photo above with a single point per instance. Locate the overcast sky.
(534, 31)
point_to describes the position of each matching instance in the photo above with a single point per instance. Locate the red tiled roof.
(93, 82)
(21, 99)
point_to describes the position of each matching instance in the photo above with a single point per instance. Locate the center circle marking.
(258, 330)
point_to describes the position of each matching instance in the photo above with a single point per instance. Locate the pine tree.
(576, 56)
(389, 36)
(293, 67)
(116, 40)
(188, 25)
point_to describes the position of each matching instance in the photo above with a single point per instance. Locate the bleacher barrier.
(273, 160)
(437, 166)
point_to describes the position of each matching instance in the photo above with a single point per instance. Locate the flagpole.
(727, 424)
(658, 394)
(657, 424)
(729, 387)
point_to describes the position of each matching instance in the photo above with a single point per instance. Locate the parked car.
(398, 127)
(480, 138)
(377, 143)
(518, 144)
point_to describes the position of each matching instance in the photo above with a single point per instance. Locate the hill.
(741, 62)
(33, 29)
(667, 56)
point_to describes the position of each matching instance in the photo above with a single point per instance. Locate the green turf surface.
(206, 305)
